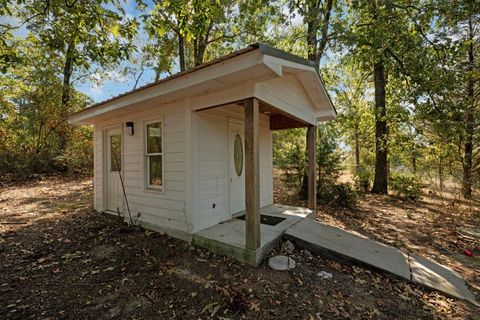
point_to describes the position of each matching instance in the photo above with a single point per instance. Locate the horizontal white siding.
(195, 152)
(163, 209)
(212, 168)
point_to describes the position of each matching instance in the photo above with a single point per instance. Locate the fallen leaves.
(93, 266)
(255, 305)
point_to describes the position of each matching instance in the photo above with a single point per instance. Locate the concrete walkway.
(328, 240)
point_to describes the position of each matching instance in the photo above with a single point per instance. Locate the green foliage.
(65, 42)
(338, 195)
(329, 158)
(190, 32)
(33, 124)
(96, 34)
(289, 155)
(363, 179)
(406, 186)
(78, 157)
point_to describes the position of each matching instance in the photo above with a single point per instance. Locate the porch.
(229, 238)
(249, 239)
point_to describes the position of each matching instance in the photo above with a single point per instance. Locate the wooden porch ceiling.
(279, 119)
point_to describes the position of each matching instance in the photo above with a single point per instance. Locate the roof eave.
(85, 116)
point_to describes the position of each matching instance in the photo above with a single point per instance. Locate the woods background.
(403, 75)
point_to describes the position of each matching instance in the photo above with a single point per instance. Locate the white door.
(236, 166)
(114, 169)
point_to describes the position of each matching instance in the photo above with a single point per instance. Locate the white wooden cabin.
(194, 149)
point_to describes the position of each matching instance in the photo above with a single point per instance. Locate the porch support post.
(312, 163)
(252, 174)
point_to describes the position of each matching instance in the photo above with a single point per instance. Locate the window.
(154, 154)
(115, 152)
(238, 155)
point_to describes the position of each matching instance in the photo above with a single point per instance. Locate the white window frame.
(149, 186)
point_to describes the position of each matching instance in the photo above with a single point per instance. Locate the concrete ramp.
(331, 241)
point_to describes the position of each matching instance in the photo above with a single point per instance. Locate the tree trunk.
(137, 80)
(200, 52)
(440, 174)
(324, 37)
(312, 28)
(181, 52)
(317, 16)
(303, 193)
(357, 150)
(380, 183)
(62, 129)
(414, 163)
(67, 75)
(469, 119)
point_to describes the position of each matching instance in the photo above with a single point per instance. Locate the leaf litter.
(78, 263)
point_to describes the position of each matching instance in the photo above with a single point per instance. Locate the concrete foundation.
(228, 238)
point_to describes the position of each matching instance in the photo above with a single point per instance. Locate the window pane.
(115, 152)
(238, 155)
(155, 164)
(154, 137)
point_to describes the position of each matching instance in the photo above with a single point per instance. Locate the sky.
(117, 83)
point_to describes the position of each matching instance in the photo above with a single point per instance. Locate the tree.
(30, 96)
(355, 118)
(386, 38)
(454, 85)
(85, 34)
(316, 14)
(197, 25)
(7, 53)
(191, 23)
(469, 114)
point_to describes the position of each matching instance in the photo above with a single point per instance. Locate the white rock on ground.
(325, 275)
(281, 263)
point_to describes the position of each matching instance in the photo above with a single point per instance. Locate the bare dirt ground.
(61, 260)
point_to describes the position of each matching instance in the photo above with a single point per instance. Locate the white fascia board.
(286, 63)
(325, 115)
(273, 64)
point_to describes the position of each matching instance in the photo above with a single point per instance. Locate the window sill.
(154, 190)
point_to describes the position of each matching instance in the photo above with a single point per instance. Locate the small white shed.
(194, 149)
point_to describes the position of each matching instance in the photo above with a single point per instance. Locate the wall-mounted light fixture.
(130, 129)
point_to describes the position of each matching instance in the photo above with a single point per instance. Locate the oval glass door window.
(238, 155)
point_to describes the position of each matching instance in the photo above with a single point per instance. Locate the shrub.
(338, 195)
(78, 157)
(363, 178)
(406, 186)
